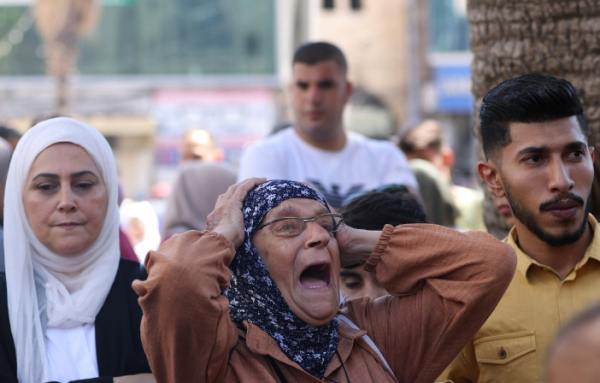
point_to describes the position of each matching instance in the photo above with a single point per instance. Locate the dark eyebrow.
(576, 145)
(534, 150)
(325, 83)
(56, 176)
(45, 175)
(84, 173)
(345, 273)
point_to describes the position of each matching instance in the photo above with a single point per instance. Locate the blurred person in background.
(535, 141)
(372, 211)
(140, 224)
(318, 149)
(5, 156)
(194, 196)
(431, 160)
(67, 308)
(201, 179)
(199, 144)
(501, 204)
(125, 247)
(575, 353)
(10, 135)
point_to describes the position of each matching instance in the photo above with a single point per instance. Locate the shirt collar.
(524, 261)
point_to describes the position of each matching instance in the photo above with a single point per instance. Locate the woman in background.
(194, 196)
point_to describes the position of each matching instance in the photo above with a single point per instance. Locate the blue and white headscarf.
(254, 296)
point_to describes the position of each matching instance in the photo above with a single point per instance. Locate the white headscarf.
(40, 294)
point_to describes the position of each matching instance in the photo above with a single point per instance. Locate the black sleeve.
(102, 379)
(118, 342)
(8, 355)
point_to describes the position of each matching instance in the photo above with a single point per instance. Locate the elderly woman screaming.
(268, 311)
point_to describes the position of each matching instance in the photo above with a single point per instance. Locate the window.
(356, 4)
(148, 37)
(448, 26)
(328, 4)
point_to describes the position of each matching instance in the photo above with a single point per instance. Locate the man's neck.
(333, 143)
(561, 259)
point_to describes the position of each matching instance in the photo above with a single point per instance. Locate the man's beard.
(527, 217)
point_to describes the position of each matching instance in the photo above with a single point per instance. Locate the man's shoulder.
(358, 139)
(274, 141)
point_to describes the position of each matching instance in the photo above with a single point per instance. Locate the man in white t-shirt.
(318, 149)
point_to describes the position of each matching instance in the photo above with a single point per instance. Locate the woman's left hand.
(356, 245)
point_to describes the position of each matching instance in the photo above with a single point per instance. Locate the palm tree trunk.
(560, 38)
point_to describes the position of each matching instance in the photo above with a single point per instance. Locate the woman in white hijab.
(67, 309)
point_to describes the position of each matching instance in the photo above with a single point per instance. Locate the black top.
(118, 343)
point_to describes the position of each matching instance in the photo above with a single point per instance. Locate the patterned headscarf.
(254, 296)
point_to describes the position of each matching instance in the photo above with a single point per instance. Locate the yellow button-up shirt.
(511, 346)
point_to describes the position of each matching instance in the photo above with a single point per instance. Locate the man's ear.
(489, 173)
(349, 90)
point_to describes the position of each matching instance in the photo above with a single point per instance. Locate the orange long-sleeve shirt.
(444, 284)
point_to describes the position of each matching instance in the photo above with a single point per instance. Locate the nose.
(374, 289)
(316, 235)
(314, 95)
(560, 177)
(66, 201)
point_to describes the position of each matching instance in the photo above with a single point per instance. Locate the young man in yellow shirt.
(535, 139)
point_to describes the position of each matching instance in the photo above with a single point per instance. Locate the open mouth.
(316, 276)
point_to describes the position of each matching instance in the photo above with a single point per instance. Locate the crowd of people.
(326, 257)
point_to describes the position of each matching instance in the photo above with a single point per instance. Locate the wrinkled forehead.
(268, 196)
(296, 207)
(61, 147)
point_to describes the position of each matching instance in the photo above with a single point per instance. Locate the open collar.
(524, 261)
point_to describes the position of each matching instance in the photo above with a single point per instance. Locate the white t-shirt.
(363, 164)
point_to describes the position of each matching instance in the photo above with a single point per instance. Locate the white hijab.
(40, 294)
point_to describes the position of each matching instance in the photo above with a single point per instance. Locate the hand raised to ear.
(227, 218)
(356, 245)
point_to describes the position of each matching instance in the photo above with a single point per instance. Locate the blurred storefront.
(447, 93)
(155, 68)
(151, 70)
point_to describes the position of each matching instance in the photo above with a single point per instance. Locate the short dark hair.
(527, 99)
(314, 53)
(374, 210)
(428, 134)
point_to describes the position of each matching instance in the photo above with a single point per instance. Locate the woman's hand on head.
(227, 218)
(356, 245)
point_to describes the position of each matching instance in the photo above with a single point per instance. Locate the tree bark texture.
(560, 38)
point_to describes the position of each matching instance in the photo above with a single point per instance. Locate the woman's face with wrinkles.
(306, 267)
(65, 199)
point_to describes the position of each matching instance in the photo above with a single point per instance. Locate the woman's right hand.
(227, 218)
(356, 245)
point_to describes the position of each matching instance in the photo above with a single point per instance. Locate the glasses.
(292, 226)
